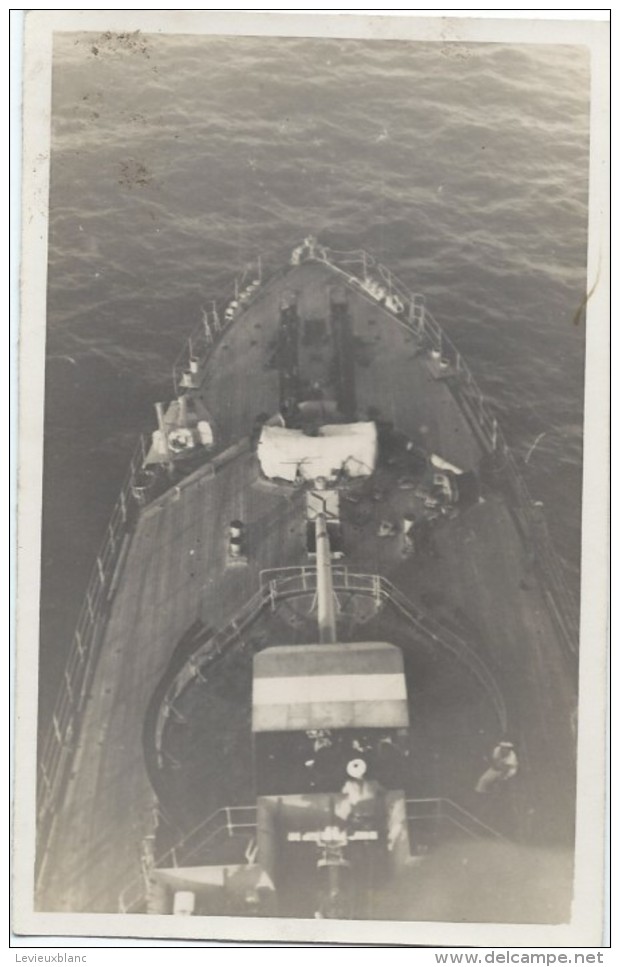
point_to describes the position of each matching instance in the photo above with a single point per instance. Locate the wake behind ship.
(327, 661)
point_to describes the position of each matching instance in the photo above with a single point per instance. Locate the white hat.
(356, 768)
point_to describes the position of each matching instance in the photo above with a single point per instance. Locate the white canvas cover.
(341, 686)
(285, 453)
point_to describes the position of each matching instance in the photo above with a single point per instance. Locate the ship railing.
(295, 582)
(234, 821)
(226, 823)
(288, 582)
(359, 266)
(440, 811)
(411, 312)
(208, 651)
(61, 740)
(216, 319)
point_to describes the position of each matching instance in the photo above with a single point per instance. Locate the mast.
(324, 584)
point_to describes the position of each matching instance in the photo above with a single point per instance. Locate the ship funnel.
(324, 585)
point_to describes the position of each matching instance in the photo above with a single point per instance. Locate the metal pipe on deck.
(324, 583)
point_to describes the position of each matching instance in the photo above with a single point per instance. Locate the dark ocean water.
(176, 160)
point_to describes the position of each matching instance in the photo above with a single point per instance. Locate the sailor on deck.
(359, 794)
(504, 765)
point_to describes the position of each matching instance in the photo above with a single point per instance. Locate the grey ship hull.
(146, 742)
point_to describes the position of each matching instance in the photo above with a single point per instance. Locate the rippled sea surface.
(177, 159)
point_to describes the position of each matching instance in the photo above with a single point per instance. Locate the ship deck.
(474, 575)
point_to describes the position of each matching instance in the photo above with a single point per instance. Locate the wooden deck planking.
(400, 385)
(480, 568)
(165, 587)
(235, 395)
(393, 378)
(313, 301)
